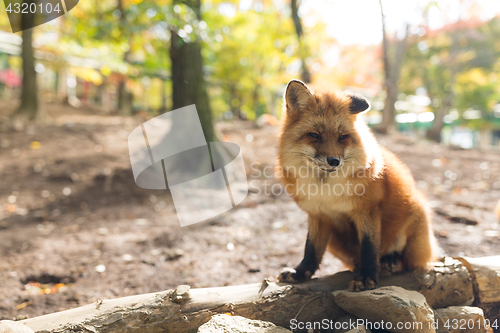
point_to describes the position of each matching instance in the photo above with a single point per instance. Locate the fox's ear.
(358, 104)
(297, 96)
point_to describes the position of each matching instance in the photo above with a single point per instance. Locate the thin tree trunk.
(434, 133)
(388, 114)
(256, 98)
(392, 70)
(124, 96)
(124, 105)
(188, 83)
(28, 108)
(305, 73)
(388, 124)
(163, 107)
(233, 95)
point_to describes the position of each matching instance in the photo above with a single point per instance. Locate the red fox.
(361, 200)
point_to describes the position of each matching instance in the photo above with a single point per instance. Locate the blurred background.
(75, 228)
(428, 67)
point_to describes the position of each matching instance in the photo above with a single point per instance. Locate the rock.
(9, 326)
(345, 325)
(236, 324)
(457, 319)
(361, 329)
(391, 308)
(172, 254)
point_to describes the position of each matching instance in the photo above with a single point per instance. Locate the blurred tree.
(477, 89)
(124, 96)
(246, 55)
(392, 69)
(252, 53)
(188, 82)
(28, 108)
(92, 32)
(305, 73)
(451, 64)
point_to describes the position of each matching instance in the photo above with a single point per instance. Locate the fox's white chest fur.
(330, 196)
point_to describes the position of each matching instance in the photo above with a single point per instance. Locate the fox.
(361, 200)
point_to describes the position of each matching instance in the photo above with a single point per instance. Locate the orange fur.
(390, 210)
(497, 209)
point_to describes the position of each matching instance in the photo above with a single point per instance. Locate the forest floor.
(75, 228)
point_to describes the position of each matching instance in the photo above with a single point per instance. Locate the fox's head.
(322, 131)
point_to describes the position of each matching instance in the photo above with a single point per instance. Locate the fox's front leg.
(369, 266)
(317, 240)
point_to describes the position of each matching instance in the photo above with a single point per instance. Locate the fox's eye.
(342, 137)
(315, 135)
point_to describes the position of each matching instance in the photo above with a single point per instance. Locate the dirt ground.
(74, 227)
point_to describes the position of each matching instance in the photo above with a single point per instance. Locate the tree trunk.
(163, 107)
(256, 100)
(434, 133)
(188, 83)
(305, 74)
(449, 283)
(388, 124)
(392, 70)
(62, 88)
(233, 96)
(28, 108)
(124, 96)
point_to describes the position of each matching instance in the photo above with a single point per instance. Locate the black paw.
(362, 283)
(290, 275)
(391, 264)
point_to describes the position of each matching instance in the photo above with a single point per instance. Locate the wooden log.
(485, 276)
(184, 310)
(485, 273)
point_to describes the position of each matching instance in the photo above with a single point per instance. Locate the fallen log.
(449, 283)
(485, 276)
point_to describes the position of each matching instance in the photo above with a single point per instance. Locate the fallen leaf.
(35, 145)
(23, 305)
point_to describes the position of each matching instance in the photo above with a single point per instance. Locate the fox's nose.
(333, 161)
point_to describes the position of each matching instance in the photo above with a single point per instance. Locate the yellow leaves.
(23, 305)
(106, 71)
(35, 145)
(116, 32)
(36, 288)
(87, 74)
(474, 75)
(15, 62)
(81, 11)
